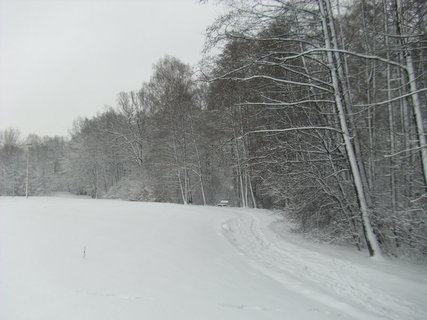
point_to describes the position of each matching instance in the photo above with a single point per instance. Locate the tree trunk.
(416, 104)
(372, 243)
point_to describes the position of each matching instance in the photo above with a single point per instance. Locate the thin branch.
(404, 151)
(277, 80)
(289, 129)
(391, 100)
(284, 104)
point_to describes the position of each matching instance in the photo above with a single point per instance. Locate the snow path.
(375, 291)
(166, 261)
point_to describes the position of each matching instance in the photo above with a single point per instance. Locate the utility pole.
(28, 165)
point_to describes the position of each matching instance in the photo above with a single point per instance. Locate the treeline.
(308, 106)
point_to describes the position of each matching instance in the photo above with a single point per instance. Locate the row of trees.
(46, 163)
(309, 106)
(152, 146)
(334, 109)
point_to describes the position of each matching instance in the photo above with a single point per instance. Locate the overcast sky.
(64, 59)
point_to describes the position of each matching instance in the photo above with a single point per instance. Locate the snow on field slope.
(65, 258)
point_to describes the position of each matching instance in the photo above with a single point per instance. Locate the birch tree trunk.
(390, 118)
(199, 161)
(371, 241)
(344, 90)
(416, 104)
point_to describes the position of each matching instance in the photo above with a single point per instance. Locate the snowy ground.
(164, 261)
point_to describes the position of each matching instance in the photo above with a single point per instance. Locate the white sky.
(64, 59)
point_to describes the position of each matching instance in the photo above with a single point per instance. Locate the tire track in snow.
(333, 282)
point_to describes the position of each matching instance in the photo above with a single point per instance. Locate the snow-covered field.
(65, 258)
